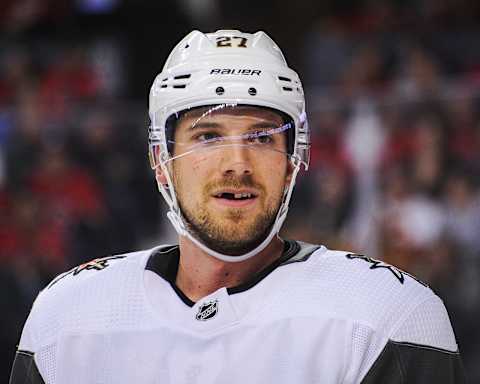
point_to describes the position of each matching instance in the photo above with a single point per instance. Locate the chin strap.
(178, 225)
(175, 217)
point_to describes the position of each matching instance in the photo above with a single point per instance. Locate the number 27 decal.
(226, 41)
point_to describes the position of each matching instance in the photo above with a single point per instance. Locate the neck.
(200, 274)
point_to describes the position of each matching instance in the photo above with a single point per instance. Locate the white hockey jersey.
(314, 316)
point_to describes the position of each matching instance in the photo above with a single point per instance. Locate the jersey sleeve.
(25, 369)
(421, 350)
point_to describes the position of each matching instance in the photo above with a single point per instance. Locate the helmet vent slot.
(282, 78)
(180, 86)
(163, 86)
(288, 89)
(179, 77)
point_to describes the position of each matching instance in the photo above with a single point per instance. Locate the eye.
(260, 137)
(207, 137)
(265, 139)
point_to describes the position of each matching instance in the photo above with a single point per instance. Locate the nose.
(236, 160)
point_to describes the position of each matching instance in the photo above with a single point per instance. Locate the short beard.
(202, 226)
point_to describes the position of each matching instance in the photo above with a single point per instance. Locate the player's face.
(230, 194)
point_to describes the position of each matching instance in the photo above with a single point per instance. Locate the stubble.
(234, 232)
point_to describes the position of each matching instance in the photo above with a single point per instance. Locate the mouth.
(235, 198)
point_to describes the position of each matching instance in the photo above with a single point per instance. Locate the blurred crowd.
(74, 182)
(394, 107)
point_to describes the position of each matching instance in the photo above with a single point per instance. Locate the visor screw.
(220, 91)
(252, 91)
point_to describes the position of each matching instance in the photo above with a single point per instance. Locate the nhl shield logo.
(207, 310)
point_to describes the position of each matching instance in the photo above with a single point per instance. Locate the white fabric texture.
(324, 320)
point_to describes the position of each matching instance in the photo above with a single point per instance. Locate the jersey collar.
(164, 262)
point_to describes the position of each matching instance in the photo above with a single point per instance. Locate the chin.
(233, 243)
(233, 248)
(234, 234)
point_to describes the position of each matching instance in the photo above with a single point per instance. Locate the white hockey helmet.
(228, 68)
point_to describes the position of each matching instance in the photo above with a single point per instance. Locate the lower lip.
(235, 203)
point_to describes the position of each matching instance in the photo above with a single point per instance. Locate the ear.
(289, 175)
(160, 176)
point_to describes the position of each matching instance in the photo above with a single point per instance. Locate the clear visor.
(218, 127)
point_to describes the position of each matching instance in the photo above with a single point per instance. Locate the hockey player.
(233, 302)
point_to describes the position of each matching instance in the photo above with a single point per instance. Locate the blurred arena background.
(393, 93)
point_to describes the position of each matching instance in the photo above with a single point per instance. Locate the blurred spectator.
(463, 214)
(16, 74)
(428, 158)
(67, 195)
(327, 53)
(364, 130)
(25, 136)
(419, 75)
(70, 78)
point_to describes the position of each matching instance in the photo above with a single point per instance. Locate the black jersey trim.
(429, 347)
(290, 249)
(164, 262)
(24, 369)
(410, 363)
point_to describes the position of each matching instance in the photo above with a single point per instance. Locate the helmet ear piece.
(160, 176)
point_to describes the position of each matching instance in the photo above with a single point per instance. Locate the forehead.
(224, 114)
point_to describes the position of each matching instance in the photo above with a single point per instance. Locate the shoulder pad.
(78, 298)
(399, 274)
(362, 289)
(94, 265)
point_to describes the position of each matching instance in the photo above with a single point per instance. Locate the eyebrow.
(203, 126)
(212, 125)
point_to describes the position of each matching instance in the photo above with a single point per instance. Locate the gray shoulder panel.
(24, 370)
(306, 250)
(407, 363)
